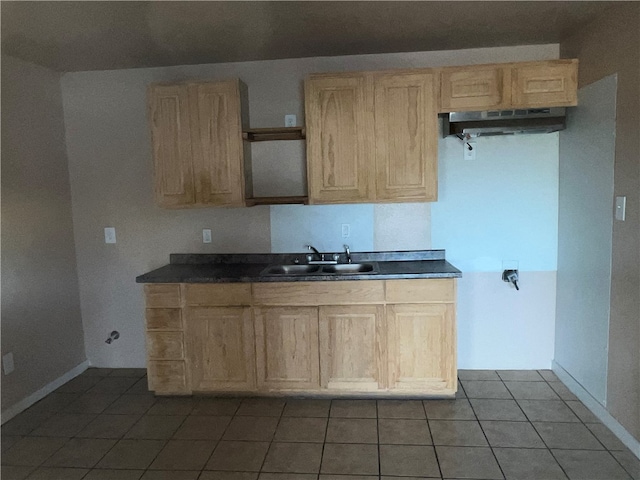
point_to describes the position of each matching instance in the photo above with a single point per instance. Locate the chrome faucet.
(321, 257)
(346, 249)
(314, 250)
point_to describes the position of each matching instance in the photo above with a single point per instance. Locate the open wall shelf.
(277, 200)
(278, 133)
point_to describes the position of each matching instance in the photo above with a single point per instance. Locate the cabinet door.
(287, 348)
(220, 348)
(338, 139)
(474, 88)
(352, 353)
(545, 84)
(218, 155)
(171, 141)
(421, 345)
(406, 137)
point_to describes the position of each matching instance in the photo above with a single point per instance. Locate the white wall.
(110, 168)
(585, 230)
(501, 208)
(41, 322)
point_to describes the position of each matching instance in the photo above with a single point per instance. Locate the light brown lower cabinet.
(421, 347)
(352, 353)
(380, 338)
(287, 348)
(220, 342)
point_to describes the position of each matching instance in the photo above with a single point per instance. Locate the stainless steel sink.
(350, 268)
(291, 269)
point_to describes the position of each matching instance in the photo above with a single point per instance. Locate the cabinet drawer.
(319, 293)
(165, 345)
(162, 295)
(167, 377)
(441, 290)
(163, 319)
(228, 294)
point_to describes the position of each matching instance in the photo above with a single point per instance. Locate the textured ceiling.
(75, 36)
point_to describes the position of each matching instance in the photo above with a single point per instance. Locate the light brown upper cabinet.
(545, 84)
(406, 137)
(339, 138)
(474, 88)
(198, 152)
(371, 137)
(551, 83)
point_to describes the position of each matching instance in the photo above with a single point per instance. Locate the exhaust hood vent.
(504, 122)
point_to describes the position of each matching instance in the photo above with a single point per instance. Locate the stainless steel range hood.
(504, 122)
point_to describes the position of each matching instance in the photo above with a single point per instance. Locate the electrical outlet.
(290, 120)
(621, 206)
(469, 150)
(346, 230)
(109, 235)
(206, 235)
(7, 363)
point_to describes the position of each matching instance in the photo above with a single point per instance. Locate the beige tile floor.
(104, 424)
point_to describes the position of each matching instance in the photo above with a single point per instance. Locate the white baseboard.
(597, 409)
(25, 403)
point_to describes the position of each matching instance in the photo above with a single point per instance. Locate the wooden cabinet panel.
(474, 88)
(421, 346)
(167, 377)
(217, 294)
(338, 139)
(162, 295)
(220, 346)
(163, 319)
(319, 293)
(352, 348)
(287, 348)
(171, 137)
(198, 152)
(406, 137)
(218, 155)
(165, 345)
(545, 84)
(436, 290)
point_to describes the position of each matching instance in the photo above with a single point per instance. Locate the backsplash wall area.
(501, 206)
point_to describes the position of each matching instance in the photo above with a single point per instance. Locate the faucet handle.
(348, 252)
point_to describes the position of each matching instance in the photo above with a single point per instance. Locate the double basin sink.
(333, 269)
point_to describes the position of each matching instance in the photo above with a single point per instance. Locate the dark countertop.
(233, 268)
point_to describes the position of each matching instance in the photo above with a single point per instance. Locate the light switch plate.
(109, 235)
(346, 230)
(7, 363)
(621, 206)
(206, 235)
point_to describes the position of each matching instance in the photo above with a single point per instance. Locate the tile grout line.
(543, 440)
(585, 425)
(203, 469)
(271, 442)
(485, 435)
(378, 437)
(117, 440)
(433, 444)
(538, 433)
(326, 432)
